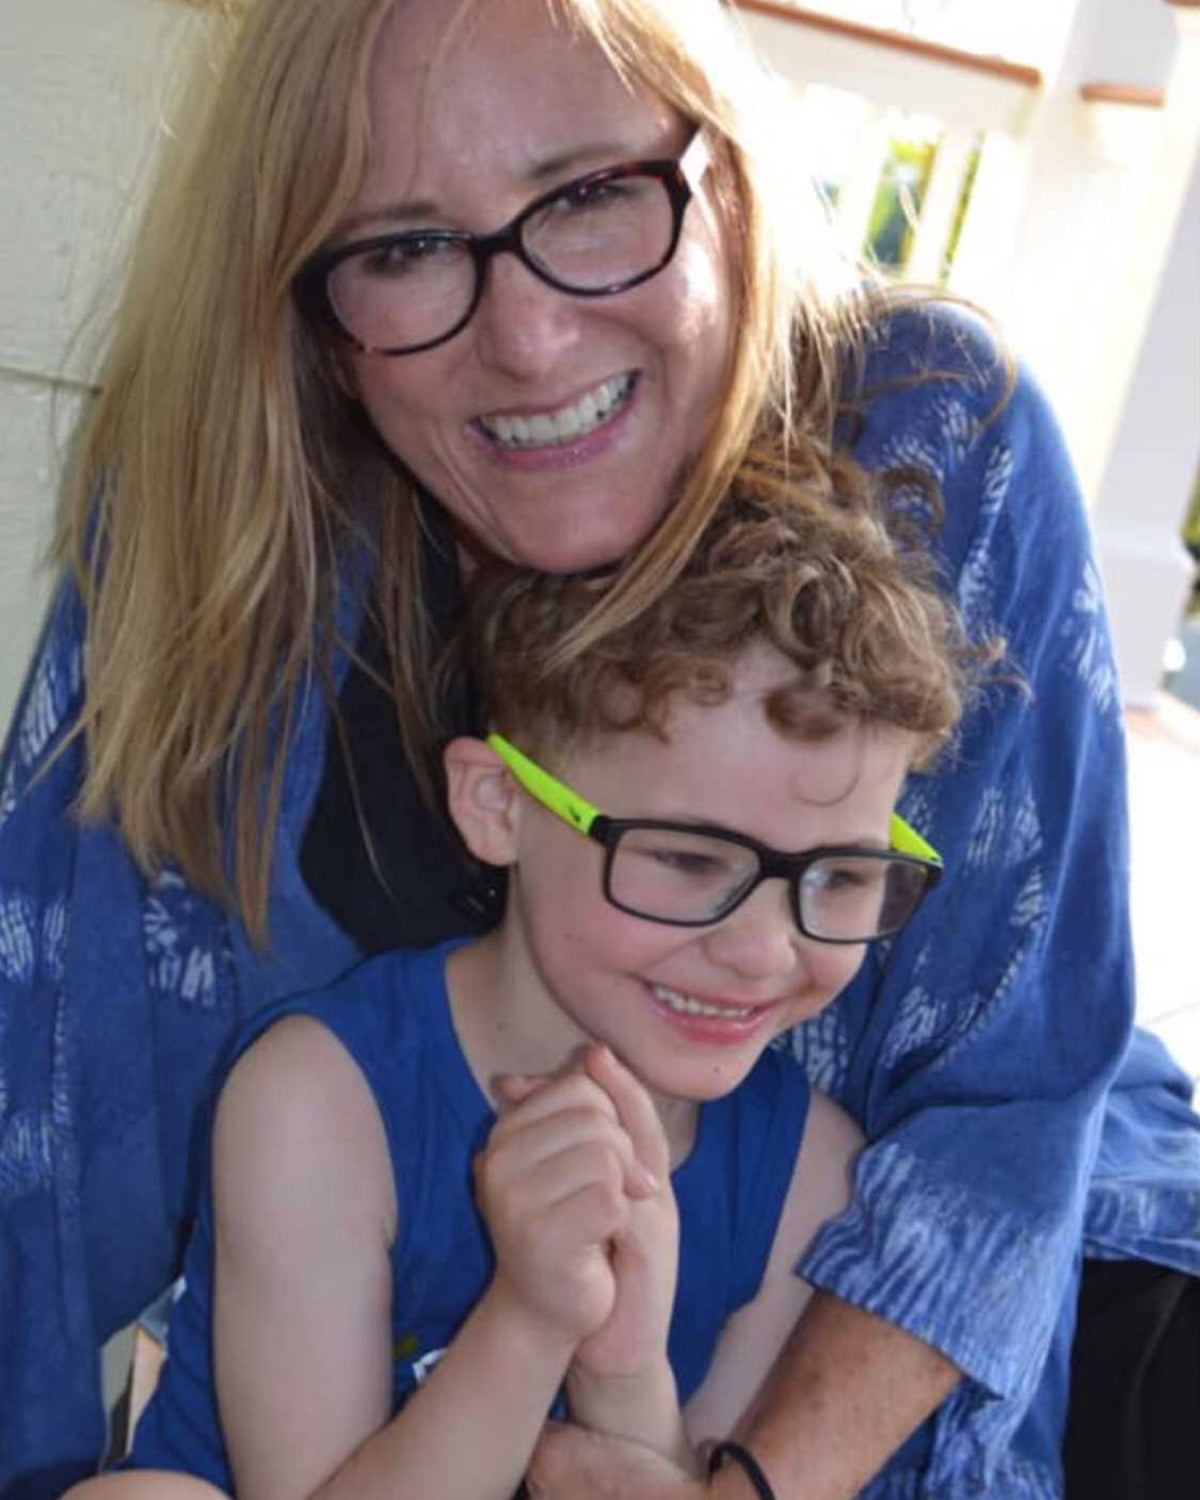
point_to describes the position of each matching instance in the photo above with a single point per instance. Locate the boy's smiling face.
(689, 1009)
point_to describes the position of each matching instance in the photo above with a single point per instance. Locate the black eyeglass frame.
(772, 865)
(678, 176)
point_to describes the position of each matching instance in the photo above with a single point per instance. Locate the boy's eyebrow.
(706, 825)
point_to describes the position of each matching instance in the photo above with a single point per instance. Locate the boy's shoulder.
(379, 995)
(356, 1054)
(383, 1017)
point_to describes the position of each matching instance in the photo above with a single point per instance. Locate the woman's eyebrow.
(427, 213)
(595, 155)
(416, 214)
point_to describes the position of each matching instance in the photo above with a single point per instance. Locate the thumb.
(571, 1463)
(635, 1110)
(559, 1468)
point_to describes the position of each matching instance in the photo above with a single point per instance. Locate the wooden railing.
(964, 102)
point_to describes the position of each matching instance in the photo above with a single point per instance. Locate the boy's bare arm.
(305, 1216)
(836, 1397)
(754, 1337)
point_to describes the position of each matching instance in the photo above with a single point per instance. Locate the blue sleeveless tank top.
(392, 1015)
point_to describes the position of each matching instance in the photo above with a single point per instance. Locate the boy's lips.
(681, 1003)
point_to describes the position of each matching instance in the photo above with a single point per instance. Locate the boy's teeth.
(571, 422)
(685, 1005)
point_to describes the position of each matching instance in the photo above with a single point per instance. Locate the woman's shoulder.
(938, 393)
(929, 339)
(937, 362)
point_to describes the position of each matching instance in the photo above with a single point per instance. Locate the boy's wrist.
(642, 1405)
(522, 1329)
(653, 1384)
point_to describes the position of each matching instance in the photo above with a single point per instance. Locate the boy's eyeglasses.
(690, 876)
(595, 236)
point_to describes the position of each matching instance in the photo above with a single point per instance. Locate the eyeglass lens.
(676, 876)
(595, 234)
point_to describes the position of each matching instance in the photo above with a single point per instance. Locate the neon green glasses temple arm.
(581, 814)
(906, 840)
(560, 799)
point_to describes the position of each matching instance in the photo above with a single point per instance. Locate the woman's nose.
(759, 939)
(522, 326)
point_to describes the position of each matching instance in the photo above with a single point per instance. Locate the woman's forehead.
(502, 89)
(464, 57)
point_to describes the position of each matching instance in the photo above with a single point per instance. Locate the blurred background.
(1039, 157)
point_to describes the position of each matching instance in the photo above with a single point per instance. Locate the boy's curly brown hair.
(828, 574)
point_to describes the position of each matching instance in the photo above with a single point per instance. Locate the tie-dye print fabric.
(977, 1050)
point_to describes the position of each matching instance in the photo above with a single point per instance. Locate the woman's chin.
(598, 540)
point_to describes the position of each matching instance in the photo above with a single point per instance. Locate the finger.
(527, 1135)
(571, 1463)
(589, 1218)
(636, 1112)
(515, 1088)
(548, 1093)
(529, 1165)
(544, 1185)
(535, 1130)
(563, 1465)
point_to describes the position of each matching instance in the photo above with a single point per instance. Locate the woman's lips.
(563, 426)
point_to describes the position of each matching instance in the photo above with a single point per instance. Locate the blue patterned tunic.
(987, 1052)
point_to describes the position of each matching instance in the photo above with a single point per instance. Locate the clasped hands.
(574, 1185)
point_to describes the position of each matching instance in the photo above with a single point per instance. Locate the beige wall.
(81, 83)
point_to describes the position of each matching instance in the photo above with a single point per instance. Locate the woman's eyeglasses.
(690, 876)
(593, 237)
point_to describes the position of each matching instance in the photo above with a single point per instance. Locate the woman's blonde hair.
(224, 476)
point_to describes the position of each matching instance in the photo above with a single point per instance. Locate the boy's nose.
(760, 939)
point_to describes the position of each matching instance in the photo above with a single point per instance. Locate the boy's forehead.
(736, 740)
(718, 746)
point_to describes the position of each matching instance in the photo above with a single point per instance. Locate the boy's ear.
(483, 800)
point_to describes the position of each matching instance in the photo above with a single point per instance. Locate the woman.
(310, 426)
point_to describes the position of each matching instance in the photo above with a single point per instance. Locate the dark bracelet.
(746, 1461)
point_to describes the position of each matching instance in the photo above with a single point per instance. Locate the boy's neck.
(506, 1024)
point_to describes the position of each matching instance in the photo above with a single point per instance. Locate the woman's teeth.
(685, 1005)
(564, 425)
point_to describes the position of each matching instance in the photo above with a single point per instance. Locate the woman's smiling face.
(463, 137)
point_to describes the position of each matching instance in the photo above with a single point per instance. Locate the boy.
(494, 1156)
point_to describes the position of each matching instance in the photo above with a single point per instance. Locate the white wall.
(1148, 479)
(80, 86)
(1090, 239)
